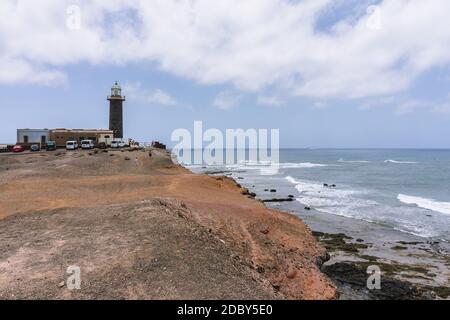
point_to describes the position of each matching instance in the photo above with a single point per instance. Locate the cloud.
(17, 71)
(250, 45)
(443, 107)
(161, 97)
(153, 96)
(400, 105)
(226, 100)
(271, 101)
(409, 106)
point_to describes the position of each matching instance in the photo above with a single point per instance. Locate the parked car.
(87, 144)
(51, 146)
(35, 148)
(17, 149)
(102, 145)
(117, 144)
(71, 145)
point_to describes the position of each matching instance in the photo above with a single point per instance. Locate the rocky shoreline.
(351, 276)
(349, 258)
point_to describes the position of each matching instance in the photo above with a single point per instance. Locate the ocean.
(390, 194)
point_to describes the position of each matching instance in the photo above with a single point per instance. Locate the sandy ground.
(140, 227)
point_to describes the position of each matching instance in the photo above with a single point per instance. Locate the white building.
(32, 136)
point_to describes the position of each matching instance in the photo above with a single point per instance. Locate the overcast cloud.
(251, 45)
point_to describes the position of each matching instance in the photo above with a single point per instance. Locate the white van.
(87, 144)
(71, 145)
(117, 144)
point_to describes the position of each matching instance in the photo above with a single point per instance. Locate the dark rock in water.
(279, 200)
(240, 178)
(355, 275)
(325, 185)
(333, 186)
(308, 208)
(339, 242)
(273, 190)
(266, 190)
(291, 196)
(318, 234)
(359, 240)
(246, 192)
(215, 172)
(399, 248)
(410, 243)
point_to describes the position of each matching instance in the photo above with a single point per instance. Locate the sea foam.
(429, 204)
(249, 165)
(353, 204)
(400, 162)
(353, 161)
(302, 165)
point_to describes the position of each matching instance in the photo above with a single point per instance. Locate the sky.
(326, 73)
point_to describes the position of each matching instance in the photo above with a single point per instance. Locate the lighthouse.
(116, 111)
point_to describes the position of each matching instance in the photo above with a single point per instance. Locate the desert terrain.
(141, 227)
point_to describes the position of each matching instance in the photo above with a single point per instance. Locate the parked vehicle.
(71, 145)
(17, 149)
(102, 145)
(87, 144)
(35, 148)
(117, 144)
(51, 146)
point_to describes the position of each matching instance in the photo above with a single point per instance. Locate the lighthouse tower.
(116, 111)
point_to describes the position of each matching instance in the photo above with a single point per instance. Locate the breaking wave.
(400, 162)
(286, 165)
(354, 204)
(429, 204)
(353, 161)
(303, 165)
